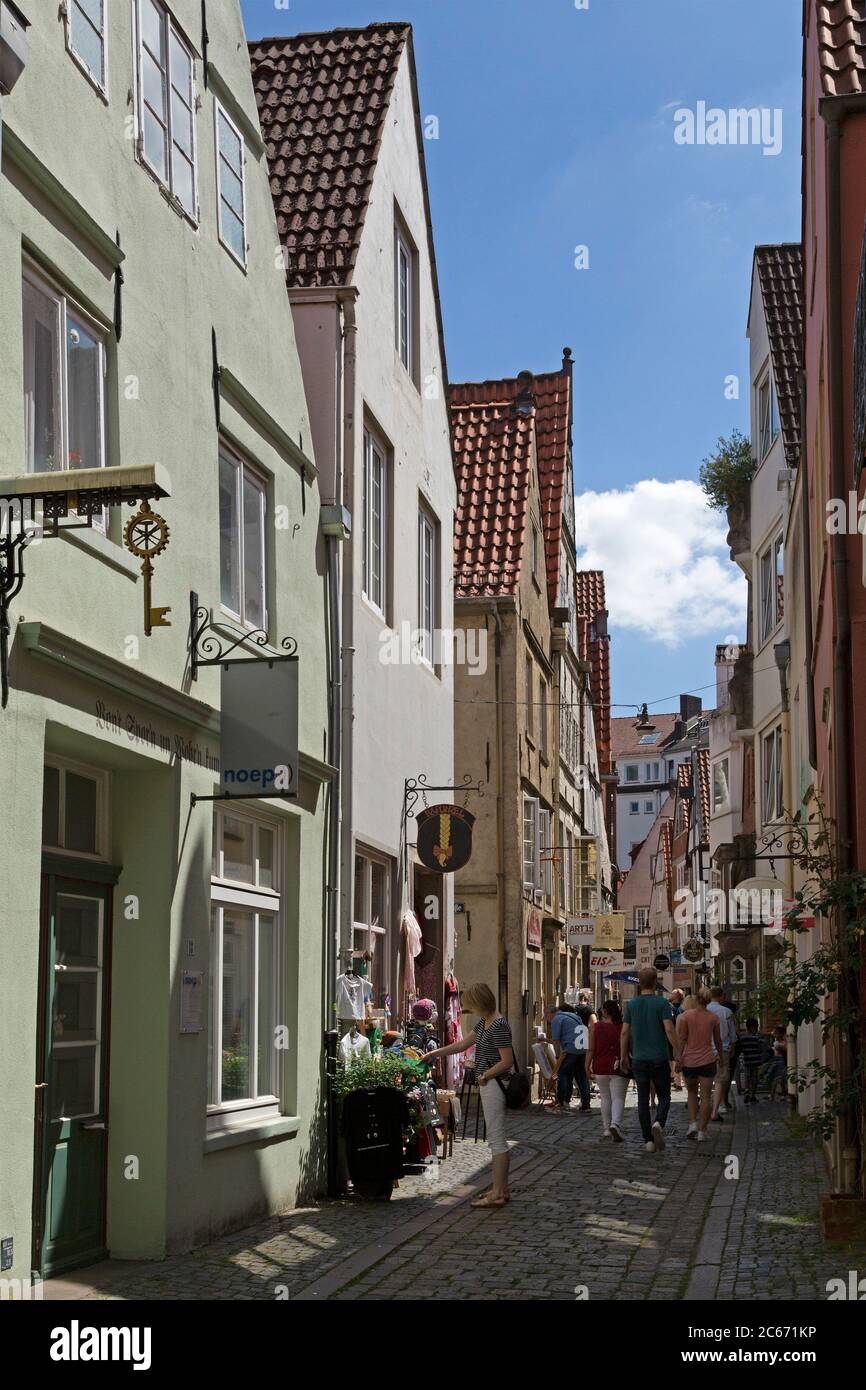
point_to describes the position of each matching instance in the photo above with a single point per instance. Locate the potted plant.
(726, 478)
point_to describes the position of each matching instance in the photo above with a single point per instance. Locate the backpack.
(518, 1092)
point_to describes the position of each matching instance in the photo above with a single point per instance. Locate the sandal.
(489, 1201)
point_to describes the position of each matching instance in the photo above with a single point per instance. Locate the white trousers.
(612, 1089)
(493, 1105)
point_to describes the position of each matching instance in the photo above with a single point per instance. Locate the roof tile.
(842, 46)
(780, 273)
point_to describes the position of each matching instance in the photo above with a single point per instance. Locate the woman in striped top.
(494, 1063)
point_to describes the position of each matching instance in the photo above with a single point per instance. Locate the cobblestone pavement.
(585, 1214)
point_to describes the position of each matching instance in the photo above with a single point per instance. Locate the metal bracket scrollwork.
(785, 843)
(210, 648)
(14, 538)
(414, 788)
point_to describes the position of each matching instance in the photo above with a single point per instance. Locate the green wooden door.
(71, 1129)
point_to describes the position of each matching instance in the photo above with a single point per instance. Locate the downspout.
(501, 957)
(842, 640)
(807, 579)
(347, 848)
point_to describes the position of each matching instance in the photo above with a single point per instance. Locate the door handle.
(41, 1085)
(93, 1124)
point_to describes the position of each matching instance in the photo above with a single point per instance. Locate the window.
(231, 206)
(634, 808)
(641, 919)
(721, 785)
(542, 714)
(74, 808)
(530, 704)
(772, 775)
(530, 843)
(85, 36)
(546, 851)
(64, 382)
(166, 103)
(428, 582)
(648, 808)
(242, 502)
(534, 551)
(375, 521)
(772, 587)
(404, 301)
(737, 970)
(768, 416)
(632, 772)
(681, 876)
(586, 874)
(651, 772)
(371, 920)
(245, 956)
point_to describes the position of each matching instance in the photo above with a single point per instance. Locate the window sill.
(283, 1127)
(95, 543)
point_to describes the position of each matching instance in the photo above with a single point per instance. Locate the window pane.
(238, 849)
(73, 1082)
(230, 584)
(181, 69)
(254, 554)
(376, 526)
(75, 1006)
(84, 379)
(153, 86)
(80, 817)
(377, 895)
(212, 1095)
(155, 145)
(181, 124)
(231, 189)
(85, 25)
(266, 1079)
(238, 942)
(360, 907)
(266, 857)
(229, 145)
(51, 807)
(153, 29)
(42, 379)
(183, 180)
(233, 232)
(76, 931)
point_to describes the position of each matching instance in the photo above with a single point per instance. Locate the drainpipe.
(807, 580)
(501, 955)
(347, 849)
(842, 642)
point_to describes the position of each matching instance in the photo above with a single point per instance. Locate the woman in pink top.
(700, 1042)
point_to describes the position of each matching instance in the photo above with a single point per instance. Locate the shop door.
(71, 1137)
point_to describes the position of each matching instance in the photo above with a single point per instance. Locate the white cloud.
(668, 574)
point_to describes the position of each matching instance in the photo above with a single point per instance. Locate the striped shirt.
(752, 1049)
(488, 1041)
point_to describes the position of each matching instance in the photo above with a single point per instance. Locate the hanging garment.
(454, 1063)
(352, 1049)
(412, 944)
(351, 996)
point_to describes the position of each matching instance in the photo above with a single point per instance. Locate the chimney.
(524, 401)
(690, 707)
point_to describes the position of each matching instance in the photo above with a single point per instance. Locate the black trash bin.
(373, 1124)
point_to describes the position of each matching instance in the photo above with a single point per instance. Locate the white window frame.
(365, 935)
(243, 470)
(721, 803)
(99, 80)
(770, 599)
(629, 769)
(428, 582)
(220, 113)
(168, 183)
(641, 920)
(531, 809)
(267, 901)
(772, 788)
(545, 850)
(373, 445)
(103, 809)
(651, 772)
(768, 414)
(648, 808)
(65, 306)
(634, 808)
(404, 255)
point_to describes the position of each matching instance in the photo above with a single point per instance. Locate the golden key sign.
(609, 931)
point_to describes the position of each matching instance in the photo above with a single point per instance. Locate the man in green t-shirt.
(647, 1030)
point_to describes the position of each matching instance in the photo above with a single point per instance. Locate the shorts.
(724, 1074)
(708, 1070)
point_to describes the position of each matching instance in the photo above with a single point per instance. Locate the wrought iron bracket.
(416, 787)
(12, 546)
(208, 647)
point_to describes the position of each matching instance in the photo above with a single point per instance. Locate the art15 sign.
(580, 931)
(259, 727)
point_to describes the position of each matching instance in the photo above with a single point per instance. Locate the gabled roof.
(590, 600)
(492, 446)
(684, 780)
(552, 392)
(703, 789)
(841, 46)
(625, 736)
(322, 102)
(780, 274)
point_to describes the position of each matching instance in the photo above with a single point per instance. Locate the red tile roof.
(684, 779)
(703, 759)
(625, 736)
(322, 101)
(552, 393)
(841, 46)
(590, 600)
(780, 274)
(492, 459)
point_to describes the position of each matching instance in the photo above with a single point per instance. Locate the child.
(751, 1049)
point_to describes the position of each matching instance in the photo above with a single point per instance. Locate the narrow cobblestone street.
(623, 1223)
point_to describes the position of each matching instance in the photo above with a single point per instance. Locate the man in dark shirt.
(752, 1049)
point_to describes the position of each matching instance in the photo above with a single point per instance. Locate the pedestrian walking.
(675, 999)
(777, 1070)
(647, 1029)
(494, 1063)
(752, 1050)
(728, 1030)
(570, 1038)
(700, 1036)
(603, 1063)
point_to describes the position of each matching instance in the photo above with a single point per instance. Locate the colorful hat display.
(423, 1010)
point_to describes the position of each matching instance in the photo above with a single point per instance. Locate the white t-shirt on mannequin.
(352, 994)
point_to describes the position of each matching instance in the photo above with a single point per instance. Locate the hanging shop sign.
(444, 842)
(610, 931)
(259, 727)
(693, 951)
(533, 929)
(644, 952)
(662, 962)
(606, 960)
(580, 931)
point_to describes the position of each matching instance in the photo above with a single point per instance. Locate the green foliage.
(726, 474)
(386, 1070)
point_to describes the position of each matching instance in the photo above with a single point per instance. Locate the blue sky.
(556, 129)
